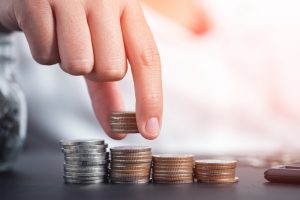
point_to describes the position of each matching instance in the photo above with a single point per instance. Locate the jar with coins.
(13, 112)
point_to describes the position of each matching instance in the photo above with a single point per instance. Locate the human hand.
(95, 38)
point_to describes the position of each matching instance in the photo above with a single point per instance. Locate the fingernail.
(152, 126)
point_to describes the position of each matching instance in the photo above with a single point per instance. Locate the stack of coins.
(173, 169)
(130, 164)
(123, 122)
(86, 161)
(216, 171)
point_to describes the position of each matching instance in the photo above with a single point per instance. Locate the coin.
(86, 170)
(123, 122)
(173, 165)
(85, 174)
(126, 149)
(83, 151)
(173, 182)
(81, 142)
(123, 113)
(131, 157)
(173, 168)
(76, 181)
(170, 173)
(220, 181)
(91, 159)
(118, 123)
(87, 163)
(173, 157)
(85, 178)
(216, 163)
(130, 161)
(125, 131)
(88, 155)
(145, 181)
(85, 147)
(130, 164)
(214, 177)
(214, 171)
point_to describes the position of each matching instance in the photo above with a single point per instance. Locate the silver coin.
(85, 147)
(79, 151)
(86, 163)
(90, 159)
(75, 181)
(85, 178)
(86, 170)
(85, 155)
(103, 166)
(85, 174)
(81, 142)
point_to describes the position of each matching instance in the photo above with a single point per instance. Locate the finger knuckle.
(112, 75)
(149, 57)
(45, 59)
(112, 69)
(78, 67)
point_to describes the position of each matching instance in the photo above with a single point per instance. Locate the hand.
(95, 38)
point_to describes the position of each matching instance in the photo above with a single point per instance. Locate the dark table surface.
(38, 175)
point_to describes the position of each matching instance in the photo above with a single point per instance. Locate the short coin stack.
(86, 161)
(130, 164)
(173, 169)
(123, 122)
(216, 171)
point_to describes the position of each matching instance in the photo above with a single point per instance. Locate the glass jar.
(13, 111)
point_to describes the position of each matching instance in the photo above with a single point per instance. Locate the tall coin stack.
(216, 171)
(123, 122)
(173, 169)
(86, 161)
(130, 164)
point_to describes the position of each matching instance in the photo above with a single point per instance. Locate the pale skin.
(95, 39)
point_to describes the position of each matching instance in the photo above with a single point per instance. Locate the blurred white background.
(233, 89)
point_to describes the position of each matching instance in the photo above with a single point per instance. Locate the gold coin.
(122, 113)
(216, 163)
(173, 181)
(214, 177)
(219, 181)
(173, 177)
(214, 171)
(172, 157)
(117, 157)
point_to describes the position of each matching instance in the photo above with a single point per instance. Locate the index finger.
(146, 69)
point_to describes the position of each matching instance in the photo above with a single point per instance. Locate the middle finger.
(109, 52)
